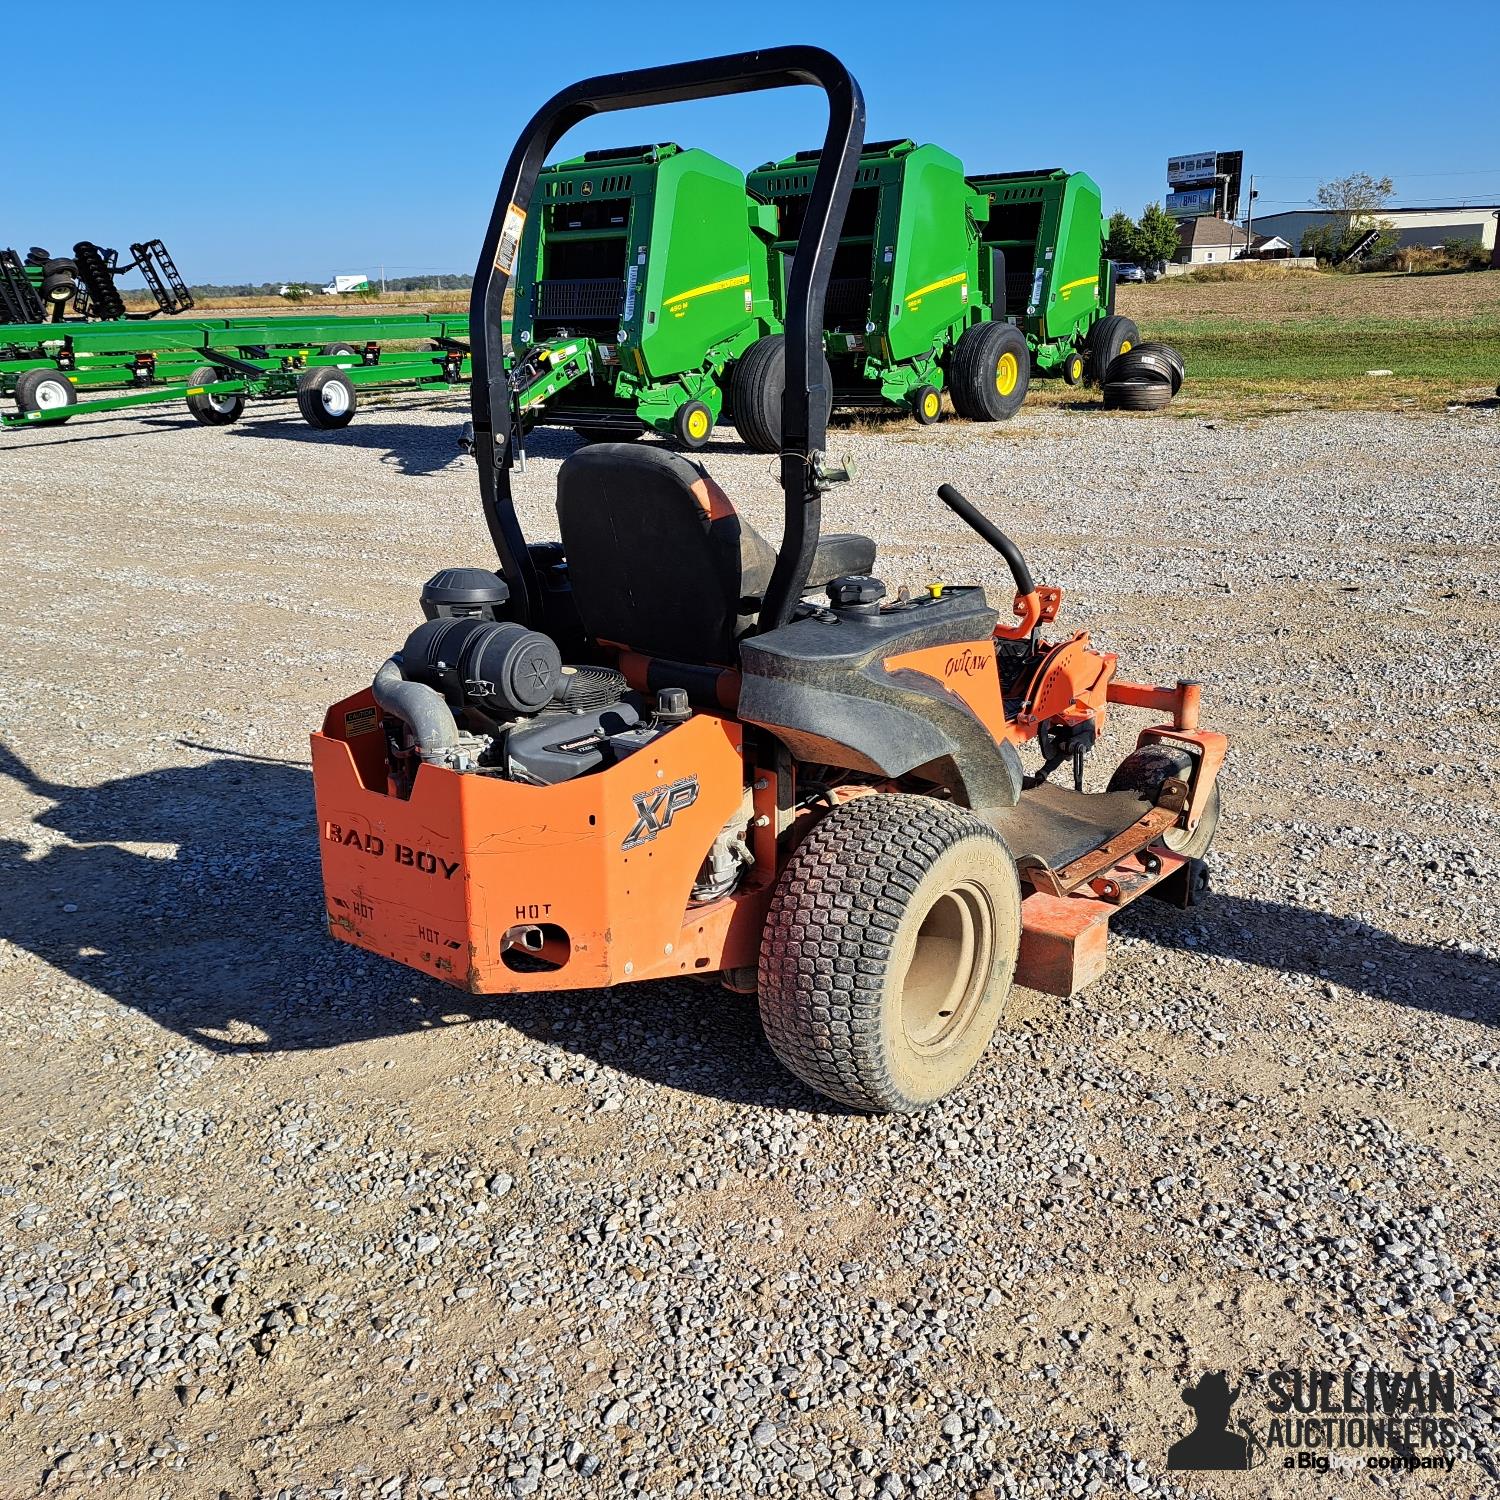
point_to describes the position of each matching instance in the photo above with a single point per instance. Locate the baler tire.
(1145, 770)
(692, 425)
(990, 372)
(326, 397)
(1143, 365)
(1172, 357)
(1109, 338)
(888, 951)
(335, 351)
(30, 385)
(926, 404)
(756, 384)
(209, 410)
(1137, 395)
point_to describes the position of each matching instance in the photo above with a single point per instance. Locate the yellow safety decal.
(193, 390)
(1082, 281)
(510, 239)
(674, 302)
(913, 298)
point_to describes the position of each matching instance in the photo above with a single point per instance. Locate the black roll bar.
(804, 406)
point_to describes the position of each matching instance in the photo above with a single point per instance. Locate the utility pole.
(382, 276)
(1250, 219)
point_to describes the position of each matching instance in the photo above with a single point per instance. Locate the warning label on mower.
(510, 239)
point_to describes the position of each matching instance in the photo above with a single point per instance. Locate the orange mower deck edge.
(662, 748)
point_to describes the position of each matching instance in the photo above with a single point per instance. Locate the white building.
(1414, 226)
(1210, 241)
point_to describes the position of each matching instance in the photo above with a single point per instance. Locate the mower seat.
(661, 562)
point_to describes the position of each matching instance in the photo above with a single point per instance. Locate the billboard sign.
(1229, 166)
(1193, 204)
(1192, 170)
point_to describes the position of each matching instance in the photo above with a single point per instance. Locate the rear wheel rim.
(1006, 373)
(1126, 345)
(335, 396)
(948, 973)
(50, 394)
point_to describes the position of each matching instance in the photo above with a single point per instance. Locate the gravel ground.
(277, 1218)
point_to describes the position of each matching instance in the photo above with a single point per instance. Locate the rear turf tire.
(326, 398)
(44, 390)
(1108, 339)
(213, 410)
(990, 372)
(889, 950)
(756, 385)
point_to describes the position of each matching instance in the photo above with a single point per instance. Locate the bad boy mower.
(663, 748)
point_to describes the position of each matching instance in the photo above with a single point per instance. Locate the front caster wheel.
(1145, 770)
(889, 950)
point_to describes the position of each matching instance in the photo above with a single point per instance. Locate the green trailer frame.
(133, 363)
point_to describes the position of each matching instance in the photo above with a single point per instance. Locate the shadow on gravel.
(221, 940)
(1339, 950)
(412, 449)
(198, 903)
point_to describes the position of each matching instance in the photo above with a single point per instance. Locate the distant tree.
(1156, 235)
(1123, 242)
(1354, 204)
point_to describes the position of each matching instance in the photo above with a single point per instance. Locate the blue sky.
(273, 140)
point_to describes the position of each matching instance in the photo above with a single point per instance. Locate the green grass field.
(1290, 340)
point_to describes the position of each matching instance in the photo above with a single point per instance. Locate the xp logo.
(657, 806)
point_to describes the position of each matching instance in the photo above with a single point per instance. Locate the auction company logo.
(1324, 1419)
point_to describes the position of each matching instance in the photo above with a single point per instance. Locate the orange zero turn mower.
(663, 748)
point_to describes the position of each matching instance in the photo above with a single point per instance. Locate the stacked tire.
(1143, 378)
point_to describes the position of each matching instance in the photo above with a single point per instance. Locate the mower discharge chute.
(662, 747)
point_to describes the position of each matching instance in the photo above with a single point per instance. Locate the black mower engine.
(474, 691)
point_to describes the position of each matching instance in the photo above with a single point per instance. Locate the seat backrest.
(658, 558)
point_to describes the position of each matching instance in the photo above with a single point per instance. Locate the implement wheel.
(326, 398)
(1145, 770)
(888, 951)
(926, 404)
(1108, 339)
(210, 408)
(692, 425)
(990, 371)
(44, 390)
(1074, 368)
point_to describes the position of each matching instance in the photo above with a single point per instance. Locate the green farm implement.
(911, 309)
(214, 365)
(642, 276)
(1047, 230)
